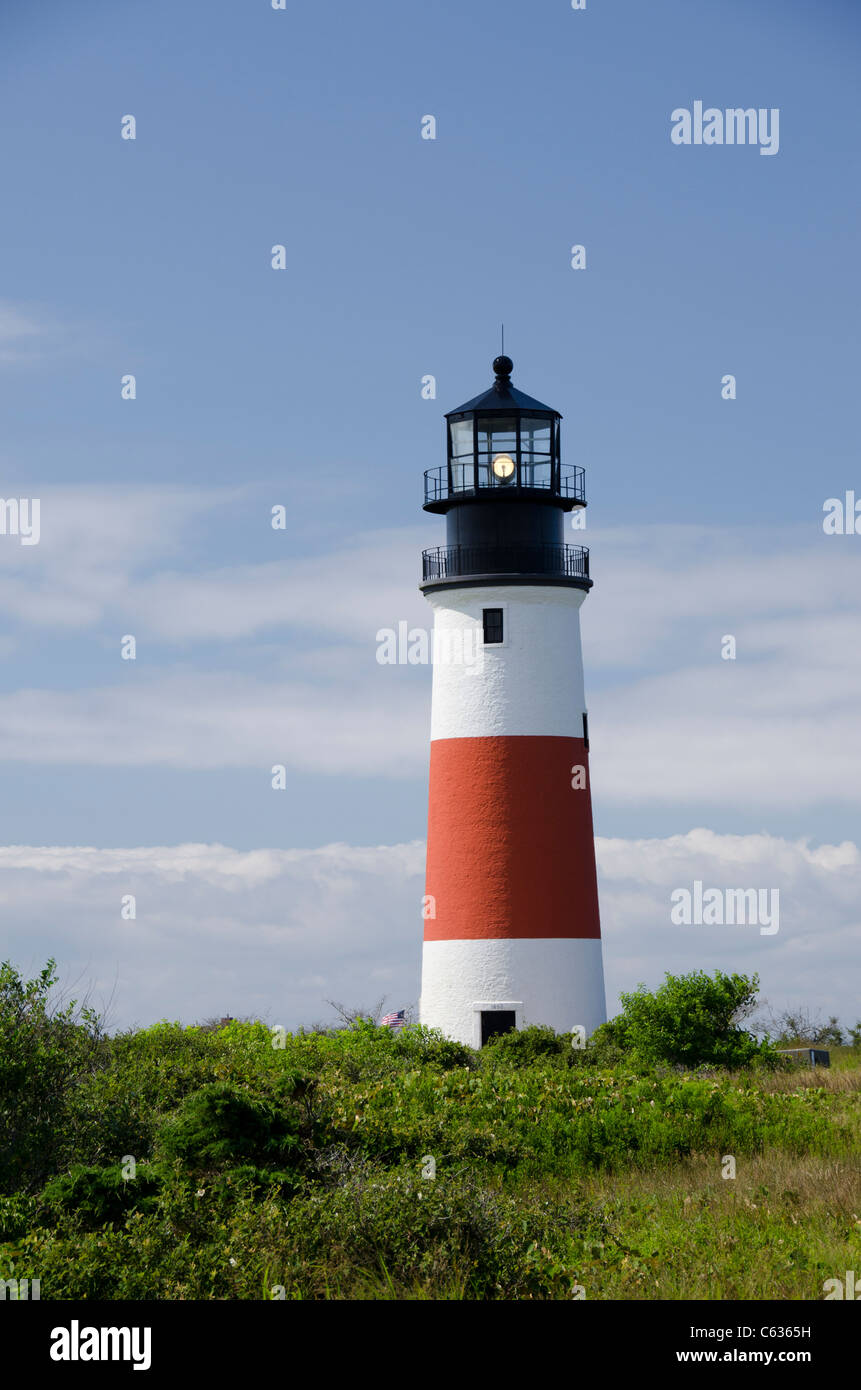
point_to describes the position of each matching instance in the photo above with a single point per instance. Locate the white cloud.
(671, 722)
(370, 582)
(25, 332)
(94, 543)
(128, 556)
(371, 724)
(268, 932)
(811, 960)
(657, 584)
(276, 932)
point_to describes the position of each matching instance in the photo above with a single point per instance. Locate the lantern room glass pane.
(495, 436)
(536, 452)
(536, 473)
(461, 455)
(461, 438)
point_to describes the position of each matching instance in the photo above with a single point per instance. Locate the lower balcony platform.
(447, 566)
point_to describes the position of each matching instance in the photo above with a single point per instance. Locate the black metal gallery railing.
(459, 478)
(458, 561)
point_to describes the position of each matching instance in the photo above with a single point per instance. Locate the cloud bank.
(275, 933)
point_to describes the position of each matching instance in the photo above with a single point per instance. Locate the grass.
(778, 1230)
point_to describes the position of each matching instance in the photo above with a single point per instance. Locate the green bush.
(18, 1214)
(95, 1197)
(119, 1108)
(526, 1046)
(381, 1231)
(429, 1048)
(690, 1021)
(393, 1225)
(44, 1055)
(224, 1124)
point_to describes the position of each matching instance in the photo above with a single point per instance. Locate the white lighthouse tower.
(512, 935)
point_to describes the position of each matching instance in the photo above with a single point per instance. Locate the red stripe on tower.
(510, 843)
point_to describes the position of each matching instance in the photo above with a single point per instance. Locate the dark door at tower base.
(496, 1021)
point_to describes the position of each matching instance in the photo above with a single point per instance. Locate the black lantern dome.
(503, 447)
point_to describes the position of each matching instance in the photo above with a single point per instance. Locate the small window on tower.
(492, 625)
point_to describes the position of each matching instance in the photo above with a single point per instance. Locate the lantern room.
(504, 444)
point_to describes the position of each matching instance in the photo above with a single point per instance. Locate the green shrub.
(119, 1108)
(384, 1230)
(224, 1124)
(429, 1048)
(525, 1047)
(18, 1214)
(690, 1020)
(393, 1225)
(43, 1056)
(95, 1197)
(608, 1047)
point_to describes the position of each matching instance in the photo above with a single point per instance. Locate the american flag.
(396, 1021)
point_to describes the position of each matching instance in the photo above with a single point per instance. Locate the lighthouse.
(511, 928)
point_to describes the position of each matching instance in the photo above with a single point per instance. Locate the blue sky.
(255, 387)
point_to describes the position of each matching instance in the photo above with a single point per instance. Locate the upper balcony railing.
(469, 479)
